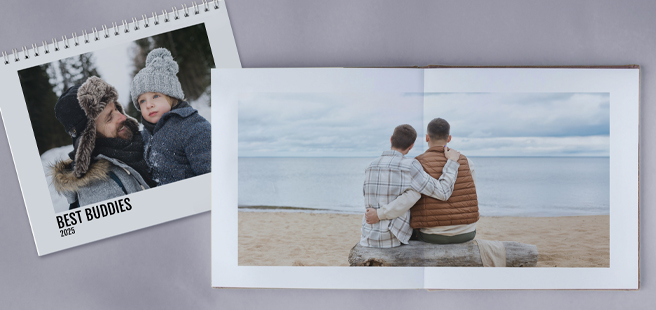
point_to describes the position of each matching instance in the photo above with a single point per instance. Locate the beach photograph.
(309, 167)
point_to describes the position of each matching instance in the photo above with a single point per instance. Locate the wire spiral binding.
(175, 12)
(35, 51)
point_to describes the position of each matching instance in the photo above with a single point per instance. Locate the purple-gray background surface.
(168, 266)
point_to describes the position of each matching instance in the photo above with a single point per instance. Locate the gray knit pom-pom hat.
(159, 76)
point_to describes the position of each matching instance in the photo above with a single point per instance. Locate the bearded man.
(107, 159)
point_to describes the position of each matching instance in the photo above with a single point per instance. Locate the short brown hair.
(173, 102)
(438, 129)
(403, 137)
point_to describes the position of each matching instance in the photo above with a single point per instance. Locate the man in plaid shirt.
(391, 175)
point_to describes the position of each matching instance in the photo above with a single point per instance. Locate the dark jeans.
(439, 239)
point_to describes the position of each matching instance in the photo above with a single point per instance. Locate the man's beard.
(127, 134)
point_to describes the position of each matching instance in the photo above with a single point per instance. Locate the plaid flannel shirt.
(388, 177)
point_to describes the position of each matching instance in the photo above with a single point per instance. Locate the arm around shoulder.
(440, 188)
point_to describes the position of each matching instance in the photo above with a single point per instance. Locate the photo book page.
(411, 178)
(110, 129)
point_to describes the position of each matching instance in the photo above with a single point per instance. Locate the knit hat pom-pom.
(161, 59)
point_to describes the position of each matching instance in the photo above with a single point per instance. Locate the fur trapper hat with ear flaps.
(77, 109)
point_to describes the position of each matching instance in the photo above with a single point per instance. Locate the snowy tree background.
(42, 85)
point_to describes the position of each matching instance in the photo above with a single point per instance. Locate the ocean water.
(506, 186)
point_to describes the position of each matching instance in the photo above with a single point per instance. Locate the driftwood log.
(422, 254)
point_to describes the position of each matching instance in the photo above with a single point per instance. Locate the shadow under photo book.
(422, 178)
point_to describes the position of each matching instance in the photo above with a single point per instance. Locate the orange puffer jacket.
(460, 208)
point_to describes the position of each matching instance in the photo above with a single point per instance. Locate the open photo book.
(426, 178)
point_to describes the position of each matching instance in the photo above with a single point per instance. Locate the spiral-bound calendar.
(109, 127)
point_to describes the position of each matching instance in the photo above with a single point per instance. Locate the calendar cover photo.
(96, 119)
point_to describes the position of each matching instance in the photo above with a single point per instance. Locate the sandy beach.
(325, 239)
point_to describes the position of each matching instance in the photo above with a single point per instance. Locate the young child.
(176, 138)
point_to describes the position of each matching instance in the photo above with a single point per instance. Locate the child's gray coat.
(179, 146)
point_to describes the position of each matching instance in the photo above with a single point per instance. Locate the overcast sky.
(323, 124)
(524, 124)
(482, 124)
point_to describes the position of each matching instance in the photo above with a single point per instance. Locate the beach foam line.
(295, 209)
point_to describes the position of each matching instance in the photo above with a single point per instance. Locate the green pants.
(439, 239)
